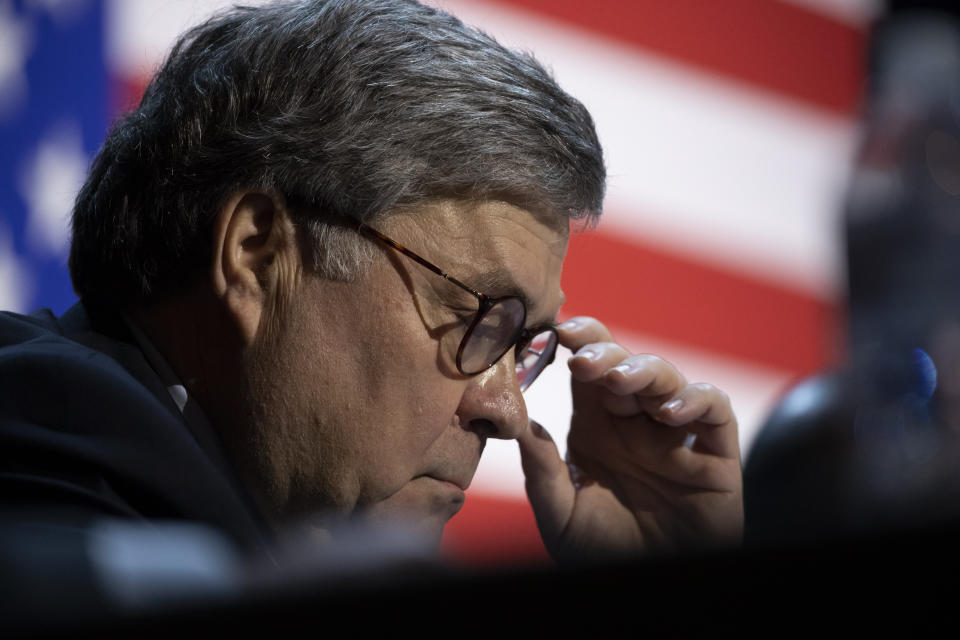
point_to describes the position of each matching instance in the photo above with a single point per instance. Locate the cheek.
(401, 439)
(382, 387)
(404, 430)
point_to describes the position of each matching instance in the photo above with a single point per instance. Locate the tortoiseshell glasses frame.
(498, 326)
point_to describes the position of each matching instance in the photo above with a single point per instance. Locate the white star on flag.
(16, 41)
(49, 184)
(15, 281)
(62, 11)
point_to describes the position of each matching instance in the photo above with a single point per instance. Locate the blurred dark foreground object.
(58, 577)
(876, 446)
(868, 583)
(831, 464)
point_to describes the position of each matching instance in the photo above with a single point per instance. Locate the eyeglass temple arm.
(422, 261)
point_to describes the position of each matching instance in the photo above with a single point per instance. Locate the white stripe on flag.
(698, 164)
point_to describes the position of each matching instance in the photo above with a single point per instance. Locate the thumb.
(549, 487)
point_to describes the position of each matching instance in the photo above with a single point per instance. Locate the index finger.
(580, 331)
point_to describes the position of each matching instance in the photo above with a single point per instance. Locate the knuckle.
(606, 345)
(705, 388)
(646, 361)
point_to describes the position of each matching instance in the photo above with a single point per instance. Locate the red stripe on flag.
(126, 93)
(773, 45)
(491, 530)
(648, 290)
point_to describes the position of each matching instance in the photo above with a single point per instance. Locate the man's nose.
(492, 404)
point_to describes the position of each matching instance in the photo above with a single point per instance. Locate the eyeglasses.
(498, 326)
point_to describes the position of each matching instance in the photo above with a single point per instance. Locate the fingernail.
(539, 431)
(673, 406)
(569, 324)
(589, 354)
(622, 368)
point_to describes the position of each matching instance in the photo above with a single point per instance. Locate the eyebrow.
(497, 280)
(498, 283)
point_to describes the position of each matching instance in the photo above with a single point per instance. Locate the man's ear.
(252, 236)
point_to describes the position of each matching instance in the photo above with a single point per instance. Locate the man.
(317, 267)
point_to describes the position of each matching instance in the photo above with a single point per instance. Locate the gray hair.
(351, 109)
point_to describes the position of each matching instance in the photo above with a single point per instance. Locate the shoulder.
(48, 377)
(80, 433)
(16, 328)
(61, 400)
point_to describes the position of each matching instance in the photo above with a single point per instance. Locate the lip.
(453, 483)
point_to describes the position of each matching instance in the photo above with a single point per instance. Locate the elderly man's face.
(358, 401)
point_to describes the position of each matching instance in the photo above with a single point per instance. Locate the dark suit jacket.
(88, 430)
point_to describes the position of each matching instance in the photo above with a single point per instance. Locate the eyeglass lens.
(538, 354)
(495, 332)
(491, 335)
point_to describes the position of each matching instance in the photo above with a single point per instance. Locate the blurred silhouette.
(874, 445)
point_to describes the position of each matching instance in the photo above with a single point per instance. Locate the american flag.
(728, 127)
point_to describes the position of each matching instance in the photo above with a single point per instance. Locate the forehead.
(491, 246)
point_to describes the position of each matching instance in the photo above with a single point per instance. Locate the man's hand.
(632, 481)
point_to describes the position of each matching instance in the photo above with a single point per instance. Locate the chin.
(429, 531)
(422, 507)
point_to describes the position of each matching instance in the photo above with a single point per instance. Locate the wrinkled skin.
(630, 484)
(343, 397)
